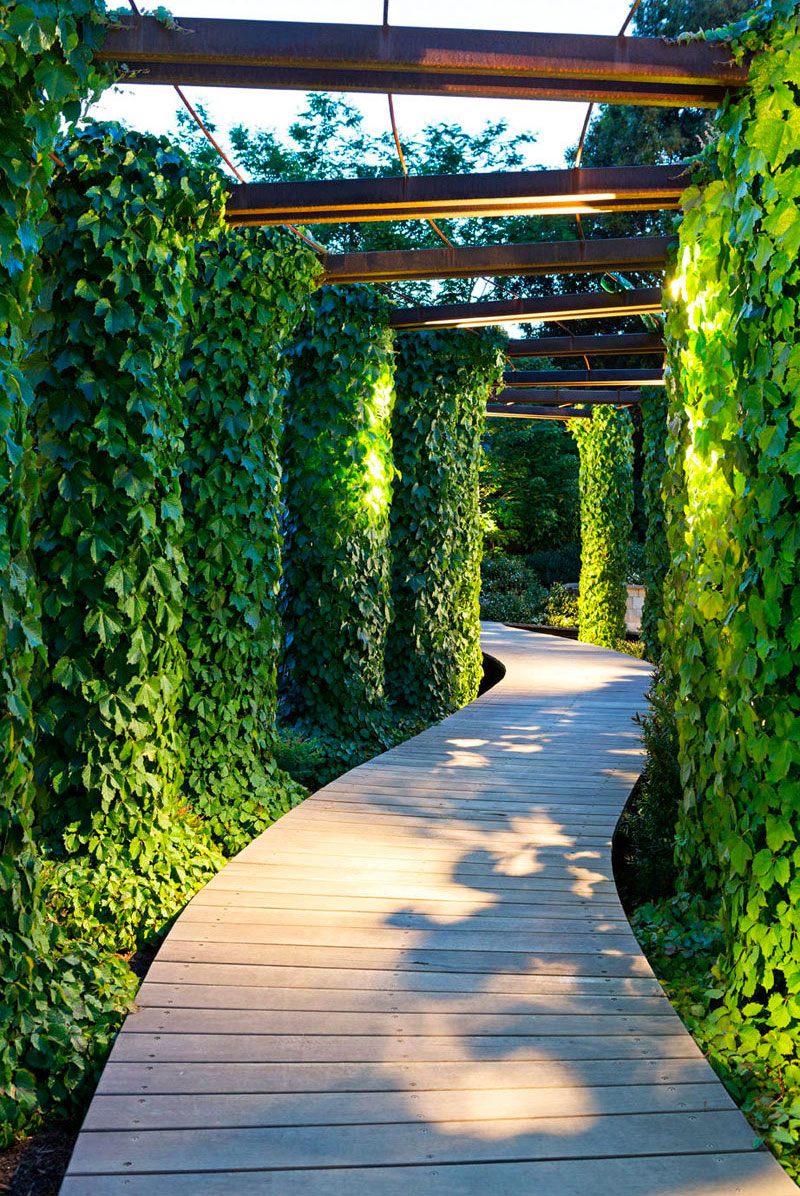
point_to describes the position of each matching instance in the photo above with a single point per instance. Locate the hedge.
(338, 472)
(443, 380)
(605, 443)
(248, 300)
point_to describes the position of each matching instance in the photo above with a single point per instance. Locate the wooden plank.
(416, 1025)
(296, 980)
(419, 959)
(219, 1110)
(745, 1172)
(321, 1048)
(225, 995)
(447, 1142)
(472, 1075)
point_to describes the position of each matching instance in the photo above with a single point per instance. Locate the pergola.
(454, 62)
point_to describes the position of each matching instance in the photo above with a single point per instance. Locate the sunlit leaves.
(730, 638)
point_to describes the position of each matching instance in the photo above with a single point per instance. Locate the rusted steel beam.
(280, 54)
(418, 197)
(511, 397)
(478, 261)
(578, 346)
(565, 413)
(533, 379)
(594, 305)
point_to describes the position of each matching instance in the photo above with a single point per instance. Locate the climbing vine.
(605, 443)
(61, 1002)
(118, 252)
(248, 297)
(654, 408)
(732, 596)
(338, 473)
(443, 380)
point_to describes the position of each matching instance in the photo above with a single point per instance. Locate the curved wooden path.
(422, 979)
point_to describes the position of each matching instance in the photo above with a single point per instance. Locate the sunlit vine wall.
(654, 409)
(337, 482)
(249, 297)
(443, 380)
(118, 254)
(732, 620)
(605, 444)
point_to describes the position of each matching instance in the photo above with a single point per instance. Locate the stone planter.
(633, 607)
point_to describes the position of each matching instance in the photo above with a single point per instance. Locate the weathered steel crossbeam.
(565, 397)
(419, 197)
(213, 52)
(477, 261)
(594, 305)
(565, 413)
(590, 346)
(532, 379)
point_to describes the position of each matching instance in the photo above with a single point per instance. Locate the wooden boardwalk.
(422, 979)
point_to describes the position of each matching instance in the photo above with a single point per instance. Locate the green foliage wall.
(443, 380)
(248, 299)
(119, 254)
(338, 473)
(654, 408)
(60, 1002)
(605, 443)
(732, 620)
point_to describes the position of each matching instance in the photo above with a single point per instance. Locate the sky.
(557, 125)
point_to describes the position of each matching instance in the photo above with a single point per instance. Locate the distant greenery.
(529, 487)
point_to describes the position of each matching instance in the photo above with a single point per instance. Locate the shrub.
(510, 591)
(563, 607)
(556, 564)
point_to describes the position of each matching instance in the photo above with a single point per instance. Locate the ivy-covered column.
(248, 299)
(732, 596)
(605, 443)
(338, 473)
(443, 381)
(654, 408)
(59, 1005)
(119, 252)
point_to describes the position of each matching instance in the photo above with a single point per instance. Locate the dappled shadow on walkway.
(424, 976)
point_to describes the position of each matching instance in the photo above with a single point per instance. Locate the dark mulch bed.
(35, 1166)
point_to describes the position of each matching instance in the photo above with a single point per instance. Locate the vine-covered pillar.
(249, 293)
(338, 474)
(654, 408)
(443, 381)
(46, 1025)
(732, 596)
(605, 443)
(119, 254)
